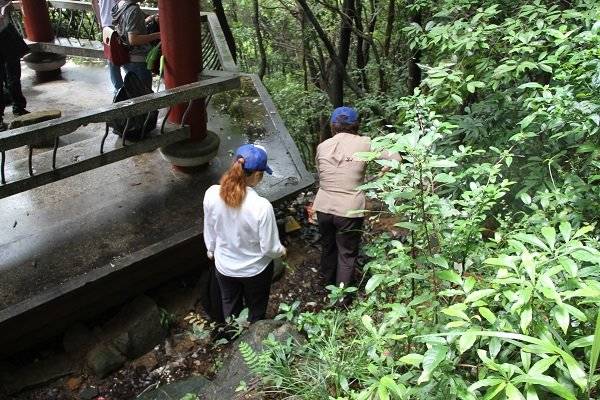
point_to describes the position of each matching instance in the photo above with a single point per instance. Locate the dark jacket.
(12, 44)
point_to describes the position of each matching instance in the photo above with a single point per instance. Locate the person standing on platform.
(12, 48)
(130, 23)
(240, 233)
(339, 203)
(103, 10)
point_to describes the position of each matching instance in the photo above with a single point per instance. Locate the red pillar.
(182, 49)
(37, 21)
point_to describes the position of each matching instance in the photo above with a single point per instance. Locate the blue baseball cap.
(255, 158)
(344, 115)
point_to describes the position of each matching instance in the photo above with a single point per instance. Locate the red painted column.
(182, 49)
(37, 20)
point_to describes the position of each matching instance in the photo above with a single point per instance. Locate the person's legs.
(349, 232)
(115, 76)
(329, 252)
(142, 72)
(12, 67)
(2, 80)
(232, 291)
(256, 293)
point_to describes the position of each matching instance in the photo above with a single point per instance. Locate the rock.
(34, 118)
(180, 345)
(177, 390)
(147, 361)
(104, 359)
(235, 369)
(73, 384)
(77, 338)
(278, 269)
(38, 373)
(136, 329)
(88, 393)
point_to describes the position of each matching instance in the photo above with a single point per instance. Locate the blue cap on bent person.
(344, 115)
(255, 158)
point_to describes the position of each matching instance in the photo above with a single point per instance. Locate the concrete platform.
(58, 239)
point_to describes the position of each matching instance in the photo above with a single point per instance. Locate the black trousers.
(340, 239)
(10, 77)
(251, 292)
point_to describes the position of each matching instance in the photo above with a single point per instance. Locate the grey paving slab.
(67, 229)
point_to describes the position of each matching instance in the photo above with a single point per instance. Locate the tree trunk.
(414, 72)
(391, 17)
(336, 93)
(329, 46)
(262, 69)
(220, 11)
(361, 62)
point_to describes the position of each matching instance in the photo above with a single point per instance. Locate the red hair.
(233, 184)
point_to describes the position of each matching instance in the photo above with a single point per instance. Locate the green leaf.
(526, 316)
(450, 276)
(582, 231)
(457, 98)
(547, 382)
(512, 393)
(413, 359)
(478, 295)
(374, 282)
(595, 353)
(525, 122)
(525, 198)
(456, 310)
(502, 69)
(493, 392)
(431, 359)
(397, 389)
(382, 393)
(569, 266)
(487, 314)
(585, 341)
(469, 284)
(575, 312)
(531, 239)
(542, 366)
(550, 235)
(466, 341)
(443, 164)
(565, 230)
(531, 85)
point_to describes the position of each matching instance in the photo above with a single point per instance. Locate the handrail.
(217, 44)
(49, 130)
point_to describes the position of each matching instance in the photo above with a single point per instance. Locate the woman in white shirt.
(240, 233)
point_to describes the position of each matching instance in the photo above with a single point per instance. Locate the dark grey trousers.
(252, 292)
(340, 239)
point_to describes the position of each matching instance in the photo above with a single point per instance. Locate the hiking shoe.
(20, 111)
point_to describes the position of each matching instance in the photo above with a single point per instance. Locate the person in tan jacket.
(339, 204)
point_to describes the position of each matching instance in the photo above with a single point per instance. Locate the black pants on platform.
(340, 239)
(251, 292)
(10, 76)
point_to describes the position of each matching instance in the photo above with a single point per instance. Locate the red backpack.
(114, 48)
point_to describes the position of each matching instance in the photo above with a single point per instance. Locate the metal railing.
(23, 177)
(78, 33)
(77, 22)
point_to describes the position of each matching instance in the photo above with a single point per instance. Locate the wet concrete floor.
(63, 230)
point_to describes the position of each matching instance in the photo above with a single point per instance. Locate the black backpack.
(139, 125)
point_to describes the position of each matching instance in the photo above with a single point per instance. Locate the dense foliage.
(490, 289)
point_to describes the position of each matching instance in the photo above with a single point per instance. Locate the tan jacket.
(340, 173)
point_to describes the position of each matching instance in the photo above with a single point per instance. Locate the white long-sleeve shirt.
(243, 240)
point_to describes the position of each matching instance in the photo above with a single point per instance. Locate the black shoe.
(20, 111)
(3, 126)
